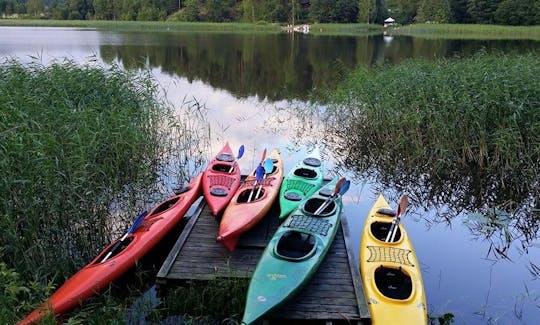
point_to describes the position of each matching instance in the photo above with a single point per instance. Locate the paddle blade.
(259, 173)
(268, 165)
(338, 185)
(137, 223)
(240, 152)
(344, 187)
(403, 204)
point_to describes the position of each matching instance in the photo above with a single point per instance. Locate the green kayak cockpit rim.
(306, 173)
(313, 204)
(295, 246)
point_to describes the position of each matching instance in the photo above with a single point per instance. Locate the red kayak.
(221, 179)
(119, 256)
(251, 202)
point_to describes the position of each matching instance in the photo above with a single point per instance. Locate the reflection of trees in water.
(501, 204)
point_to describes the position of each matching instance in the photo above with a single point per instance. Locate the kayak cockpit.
(112, 250)
(306, 173)
(393, 283)
(313, 204)
(225, 157)
(295, 246)
(250, 195)
(222, 168)
(380, 230)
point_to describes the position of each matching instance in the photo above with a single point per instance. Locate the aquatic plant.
(461, 133)
(83, 149)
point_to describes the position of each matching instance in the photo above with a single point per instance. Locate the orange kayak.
(221, 179)
(119, 256)
(248, 206)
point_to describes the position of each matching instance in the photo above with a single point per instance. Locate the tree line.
(502, 12)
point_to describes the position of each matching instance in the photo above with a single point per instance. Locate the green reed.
(83, 149)
(463, 132)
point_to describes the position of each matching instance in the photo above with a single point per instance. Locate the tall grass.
(82, 151)
(463, 132)
(467, 31)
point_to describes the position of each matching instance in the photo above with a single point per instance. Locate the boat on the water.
(221, 179)
(119, 256)
(294, 253)
(251, 202)
(300, 183)
(389, 269)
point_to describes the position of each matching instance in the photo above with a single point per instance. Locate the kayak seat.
(164, 206)
(393, 283)
(295, 246)
(313, 204)
(305, 172)
(380, 230)
(115, 248)
(244, 196)
(222, 168)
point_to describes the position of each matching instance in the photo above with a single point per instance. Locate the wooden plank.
(330, 295)
(355, 272)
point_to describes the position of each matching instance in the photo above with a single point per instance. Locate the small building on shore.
(389, 21)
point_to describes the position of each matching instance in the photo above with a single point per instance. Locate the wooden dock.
(334, 294)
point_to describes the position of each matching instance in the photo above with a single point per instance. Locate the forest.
(500, 12)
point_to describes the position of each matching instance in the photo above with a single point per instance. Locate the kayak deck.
(334, 293)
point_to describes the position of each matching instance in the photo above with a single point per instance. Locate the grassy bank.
(467, 31)
(157, 26)
(82, 151)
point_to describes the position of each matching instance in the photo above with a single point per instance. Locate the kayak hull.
(292, 256)
(300, 183)
(98, 274)
(390, 272)
(221, 180)
(244, 212)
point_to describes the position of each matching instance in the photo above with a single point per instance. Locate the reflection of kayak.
(221, 179)
(390, 271)
(106, 267)
(293, 254)
(302, 181)
(241, 215)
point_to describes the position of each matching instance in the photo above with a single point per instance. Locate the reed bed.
(463, 133)
(467, 31)
(83, 149)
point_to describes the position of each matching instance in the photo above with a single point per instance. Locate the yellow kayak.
(390, 271)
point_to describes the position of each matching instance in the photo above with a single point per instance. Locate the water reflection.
(501, 203)
(278, 66)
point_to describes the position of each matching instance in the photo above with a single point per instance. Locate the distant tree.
(516, 12)
(436, 11)
(482, 11)
(403, 11)
(333, 11)
(35, 7)
(191, 10)
(458, 12)
(215, 10)
(366, 9)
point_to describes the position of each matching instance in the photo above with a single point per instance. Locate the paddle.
(342, 186)
(131, 230)
(402, 207)
(240, 154)
(268, 168)
(259, 173)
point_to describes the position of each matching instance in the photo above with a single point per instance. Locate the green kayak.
(300, 183)
(295, 252)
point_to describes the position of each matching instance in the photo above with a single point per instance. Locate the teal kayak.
(300, 183)
(294, 253)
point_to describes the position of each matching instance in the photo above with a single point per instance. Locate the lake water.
(254, 88)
